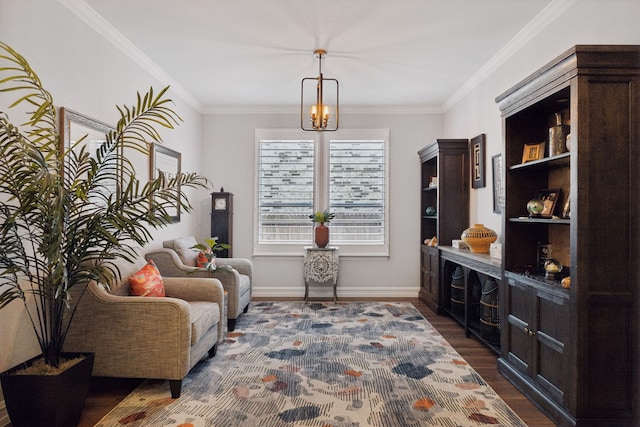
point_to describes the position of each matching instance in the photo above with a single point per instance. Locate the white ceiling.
(221, 54)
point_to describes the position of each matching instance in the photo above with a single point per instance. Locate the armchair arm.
(244, 266)
(198, 289)
(170, 264)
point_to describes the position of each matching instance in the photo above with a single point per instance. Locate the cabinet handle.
(529, 331)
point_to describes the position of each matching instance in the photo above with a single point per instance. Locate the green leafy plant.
(58, 227)
(209, 249)
(322, 216)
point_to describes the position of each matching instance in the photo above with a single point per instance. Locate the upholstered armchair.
(178, 258)
(148, 337)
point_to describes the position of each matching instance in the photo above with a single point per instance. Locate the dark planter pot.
(47, 400)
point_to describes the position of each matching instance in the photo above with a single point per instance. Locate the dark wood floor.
(106, 393)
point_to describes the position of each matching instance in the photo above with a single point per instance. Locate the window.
(299, 173)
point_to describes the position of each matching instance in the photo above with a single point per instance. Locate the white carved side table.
(321, 269)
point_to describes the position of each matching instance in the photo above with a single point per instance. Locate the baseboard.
(4, 416)
(350, 293)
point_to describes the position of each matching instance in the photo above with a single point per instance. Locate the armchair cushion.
(183, 246)
(147, 282)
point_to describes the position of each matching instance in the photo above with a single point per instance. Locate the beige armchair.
(149, 337)
(177, 258)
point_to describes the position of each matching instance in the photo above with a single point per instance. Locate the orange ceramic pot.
(478, 238)
(321, 235)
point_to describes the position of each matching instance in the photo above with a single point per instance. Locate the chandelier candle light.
(319, 107)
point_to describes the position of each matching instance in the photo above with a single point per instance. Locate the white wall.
(87, 74)
(229, 149)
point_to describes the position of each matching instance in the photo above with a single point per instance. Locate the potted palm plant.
(59, 228)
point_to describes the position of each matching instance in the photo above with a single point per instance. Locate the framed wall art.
(78, 131)
(166, 162)
(532, 152)
(477, 161)
(498, 184)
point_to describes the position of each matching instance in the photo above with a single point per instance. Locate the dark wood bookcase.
(448, 161)
(574, 352)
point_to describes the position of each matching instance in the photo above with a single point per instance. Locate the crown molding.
(96, 22)
(546, 17)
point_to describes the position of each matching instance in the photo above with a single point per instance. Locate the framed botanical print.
(79, 131)
(166, 163)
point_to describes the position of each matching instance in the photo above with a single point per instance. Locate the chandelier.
(319, 101)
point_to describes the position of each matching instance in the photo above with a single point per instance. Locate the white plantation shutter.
(357, 191)
(285, 191)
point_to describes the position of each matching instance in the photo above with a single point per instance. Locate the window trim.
(321, 190)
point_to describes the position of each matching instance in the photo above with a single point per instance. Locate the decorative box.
(495, 250)
(459, 244)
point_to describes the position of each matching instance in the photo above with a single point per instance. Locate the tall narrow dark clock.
(222, 220)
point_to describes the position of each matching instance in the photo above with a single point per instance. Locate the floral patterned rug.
(324, 365)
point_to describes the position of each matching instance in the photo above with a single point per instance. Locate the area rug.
(324, 365)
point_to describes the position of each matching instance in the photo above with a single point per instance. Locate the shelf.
(540, 220)
(430, 217)
(431, 188)
(539, 282)
(561, 160)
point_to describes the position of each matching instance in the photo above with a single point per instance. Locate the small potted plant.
(321, 232)
(207, 254)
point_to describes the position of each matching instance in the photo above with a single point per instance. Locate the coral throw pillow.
(202, 260)
(147, 282)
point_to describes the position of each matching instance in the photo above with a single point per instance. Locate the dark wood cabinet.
(535, 338)
(444, 189)
(574, 351)
(429, 278)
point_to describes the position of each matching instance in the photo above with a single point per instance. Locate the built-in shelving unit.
(444, 187)
(572, 351)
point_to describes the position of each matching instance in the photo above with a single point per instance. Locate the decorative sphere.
(535, 207)
(552, 267)
(566, 282)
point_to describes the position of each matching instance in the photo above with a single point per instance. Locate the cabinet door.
(518, 347)
(551, 333)
(536, 335)
(429, 277)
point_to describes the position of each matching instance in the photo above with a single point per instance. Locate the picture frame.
(477, 155)
(532, 152)
(566, 211)
(169, 163)
(498, 183)
(544, 253)
(78, 130)
(549, 199)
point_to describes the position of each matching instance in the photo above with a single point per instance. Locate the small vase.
(321, 235)
(478, 238)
